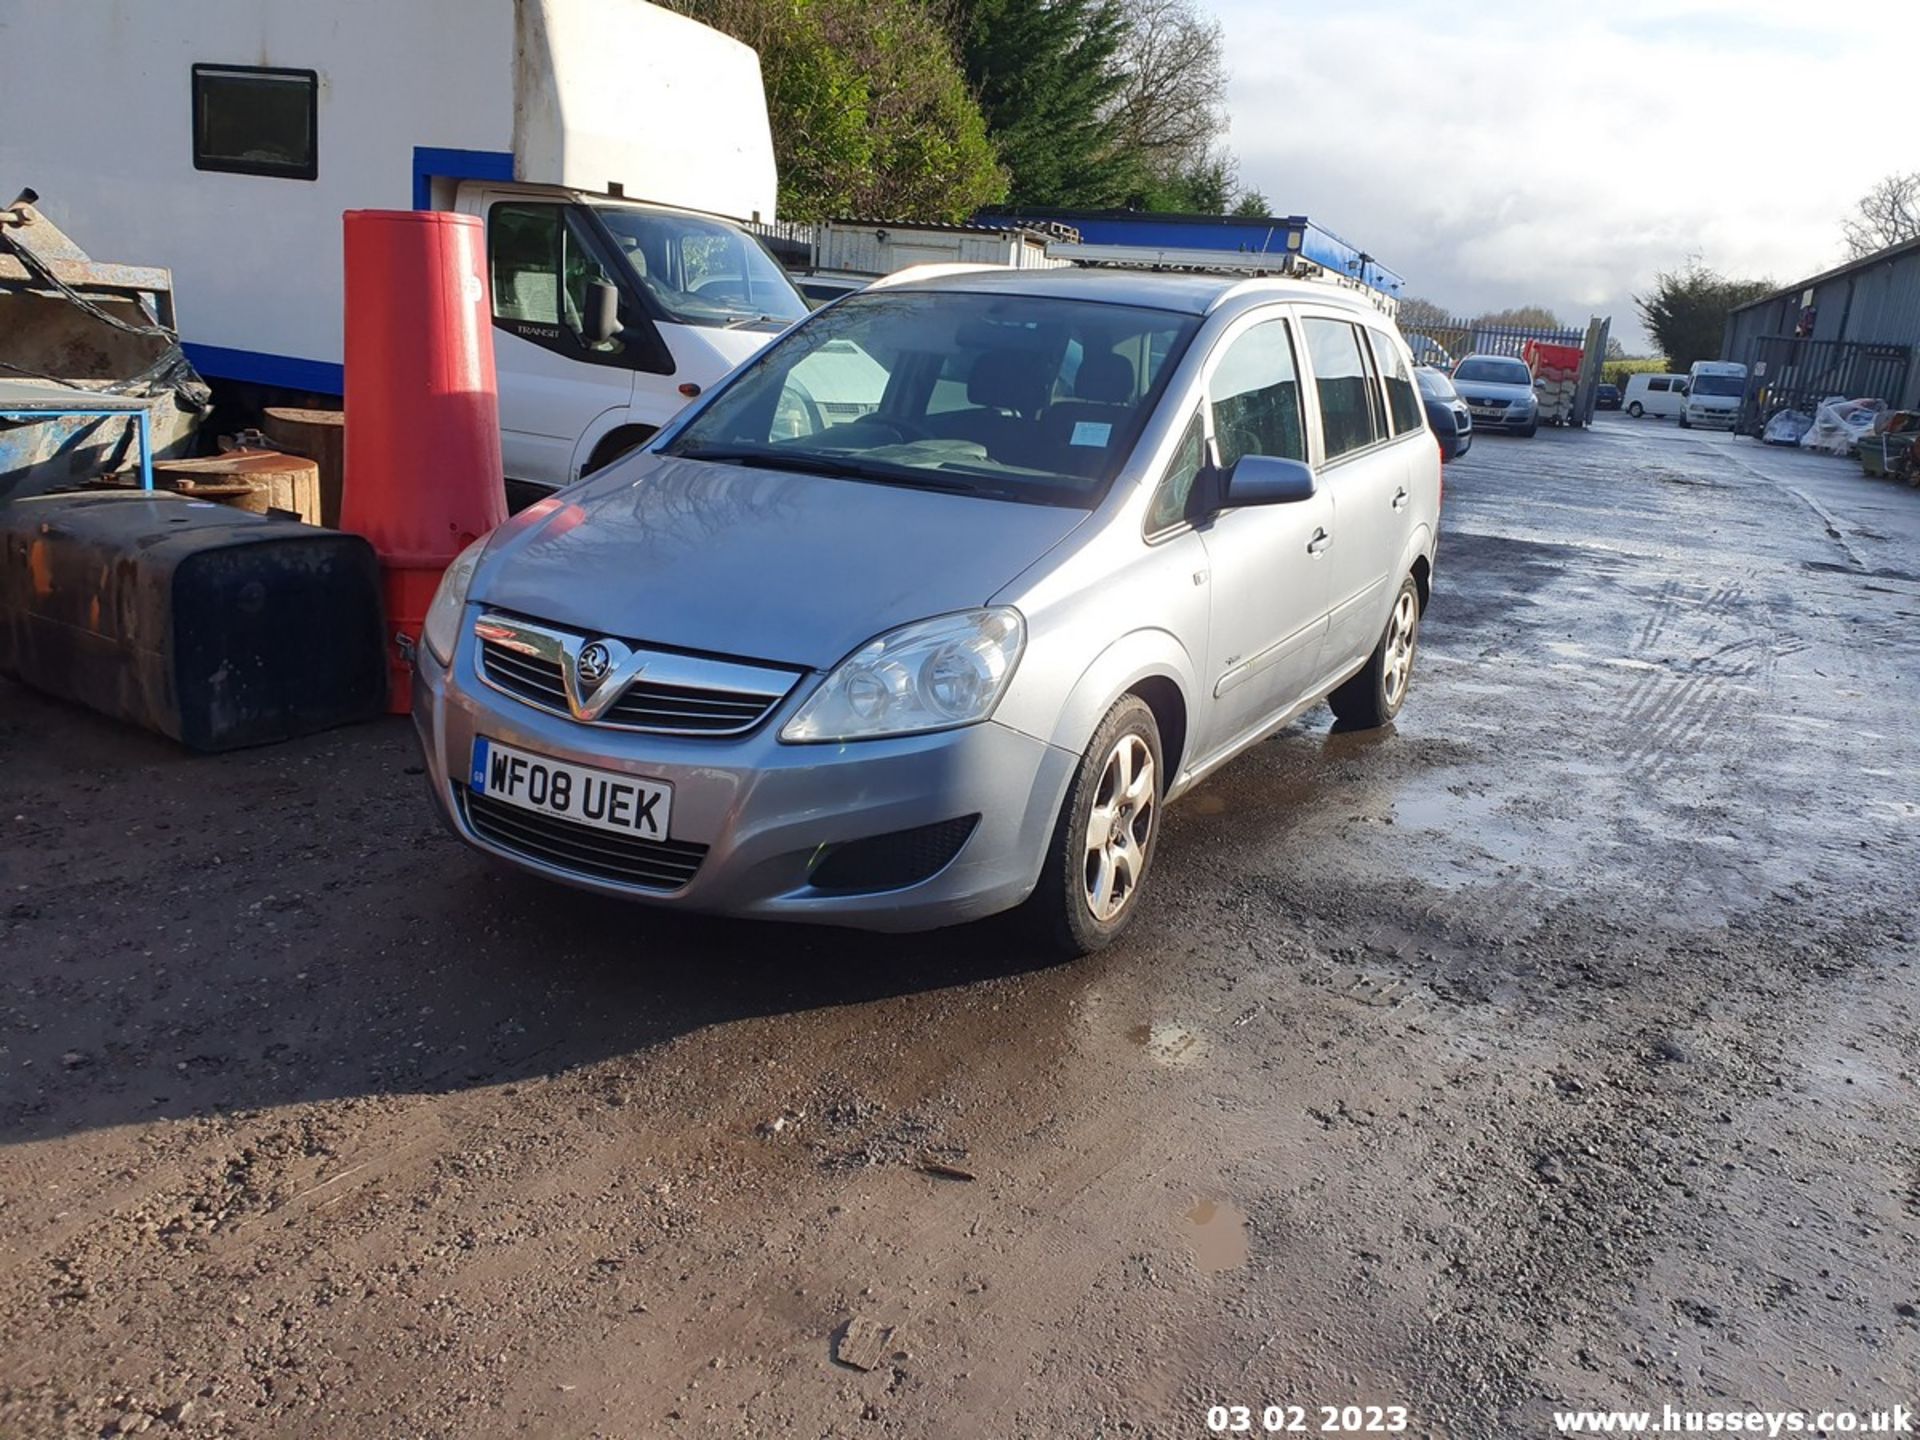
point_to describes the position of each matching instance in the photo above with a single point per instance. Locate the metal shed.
(1851, 330)
(880, 247)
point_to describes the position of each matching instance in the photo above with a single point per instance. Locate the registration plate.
(603, 799)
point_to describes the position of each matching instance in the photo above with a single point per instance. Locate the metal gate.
(1785, 372)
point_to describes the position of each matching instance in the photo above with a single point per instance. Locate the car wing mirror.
(1267, 480)
(601, 320)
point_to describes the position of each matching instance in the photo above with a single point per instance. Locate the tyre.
(616, 444)
(1636, 409)
(1684, 424)
(1528, 432)
(1374, 696)
(1104, 839)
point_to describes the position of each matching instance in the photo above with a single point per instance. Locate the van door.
(554, 383)
(1267, 562)
(1363, 469)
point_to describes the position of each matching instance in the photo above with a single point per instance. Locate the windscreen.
(702, 272)
(1494, 371)
(1717, 385)
(1435, 384)
(1014, 397)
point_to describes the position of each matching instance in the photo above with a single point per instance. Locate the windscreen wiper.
(813, 463)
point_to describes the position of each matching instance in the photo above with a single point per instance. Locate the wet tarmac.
(1558, 1048)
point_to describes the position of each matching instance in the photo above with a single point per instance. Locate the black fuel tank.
(212, 626)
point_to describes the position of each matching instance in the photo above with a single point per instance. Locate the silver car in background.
(1499, 393)
(929, 609)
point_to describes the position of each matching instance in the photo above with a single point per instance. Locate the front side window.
(700, 271)
(256, 120)
(1014, 397)
(541, 266)
(1256, 396)
(1343, 379)
(1169, 505)
(1404, 412)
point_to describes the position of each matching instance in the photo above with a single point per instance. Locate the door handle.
(1400, 498)
(1318, 544)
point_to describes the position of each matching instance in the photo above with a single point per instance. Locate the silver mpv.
(925, 612)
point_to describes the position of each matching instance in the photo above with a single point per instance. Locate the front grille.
(582, 849)
(892, 861)
(667, 697)
(686, 707)
(528, 676)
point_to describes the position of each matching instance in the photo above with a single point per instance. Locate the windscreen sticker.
(1091, 432)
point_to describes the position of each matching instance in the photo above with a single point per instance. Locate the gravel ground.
(1557, 1048)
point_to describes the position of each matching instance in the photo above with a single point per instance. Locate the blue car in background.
(1447, 414)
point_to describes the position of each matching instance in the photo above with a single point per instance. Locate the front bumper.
(1506, 420)
(1713, 419)
(766, 811)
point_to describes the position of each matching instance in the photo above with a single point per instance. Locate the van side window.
(1256, 396)
(1342, 376)
(1169, 505)
(540, 270)
(1404, 411)
(256, 120)
(1658, 382)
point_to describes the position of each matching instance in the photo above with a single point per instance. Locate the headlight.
(930, 675)
(442, 629)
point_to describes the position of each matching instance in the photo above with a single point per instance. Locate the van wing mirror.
(601, 321)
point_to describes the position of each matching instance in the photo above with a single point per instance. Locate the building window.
(256, 120)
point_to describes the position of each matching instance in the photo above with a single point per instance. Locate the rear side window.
(256, 120)
(1404, 411)
(1256, 396)
(1344, 379)
(1659, 382)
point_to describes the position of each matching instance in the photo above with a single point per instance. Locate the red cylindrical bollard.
(423, 473)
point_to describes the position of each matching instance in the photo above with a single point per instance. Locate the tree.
(1416, 313)
(1686, 311)
(1170, 107)
(1252, 205)
(1206, 187)
(1523, 317)
(1888, 214)
(869, 108)
(1046, 75)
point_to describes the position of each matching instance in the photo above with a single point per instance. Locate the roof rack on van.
(1243, 264)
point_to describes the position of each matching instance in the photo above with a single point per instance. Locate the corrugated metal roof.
(1839, 272)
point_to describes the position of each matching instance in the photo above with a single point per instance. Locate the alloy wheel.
(1119, 825)
(1399, 656)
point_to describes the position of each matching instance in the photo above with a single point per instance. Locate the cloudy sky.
(1561, 153)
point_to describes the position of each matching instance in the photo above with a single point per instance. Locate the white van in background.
(609, 145)
(1658, 395)
(1714, 388)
